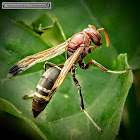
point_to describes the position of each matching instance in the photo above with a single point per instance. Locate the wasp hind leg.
(83, 66)
(28, 96)
(51, 65)
(81, 97)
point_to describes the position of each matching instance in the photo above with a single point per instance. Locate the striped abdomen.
(41, 99)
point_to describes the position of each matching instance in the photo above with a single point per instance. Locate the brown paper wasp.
(77, 47)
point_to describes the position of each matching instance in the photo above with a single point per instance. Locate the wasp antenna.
(106, 36)
(91, 26)
(93, 121)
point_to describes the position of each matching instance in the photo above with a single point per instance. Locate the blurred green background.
(121, 21)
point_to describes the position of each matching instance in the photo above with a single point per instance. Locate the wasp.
(77, 47)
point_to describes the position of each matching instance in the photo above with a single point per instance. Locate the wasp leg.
(81, 97)
(28, 96)
(92, 48)
(81, 64)
(76, 82)
(51, 65)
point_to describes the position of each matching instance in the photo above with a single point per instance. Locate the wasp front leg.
(83, 66)
(92, 48)
(73, 70)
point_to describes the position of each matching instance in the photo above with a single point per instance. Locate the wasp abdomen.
(41, 98)
(38, 105)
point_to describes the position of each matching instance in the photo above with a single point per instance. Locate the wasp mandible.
(77, 47)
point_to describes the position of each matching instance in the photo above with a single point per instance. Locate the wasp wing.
(66, 68)
(31, 60)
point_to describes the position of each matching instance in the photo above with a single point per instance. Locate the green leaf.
(10, 108)
(19, 40)
(104, 94)
(104, 98)
(49, 29)
(42, 23)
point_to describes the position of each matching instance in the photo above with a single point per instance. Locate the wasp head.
(95, 35)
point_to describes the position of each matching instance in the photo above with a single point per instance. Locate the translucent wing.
(66, 68)
(31, 60)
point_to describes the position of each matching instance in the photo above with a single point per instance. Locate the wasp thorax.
(78, 39)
